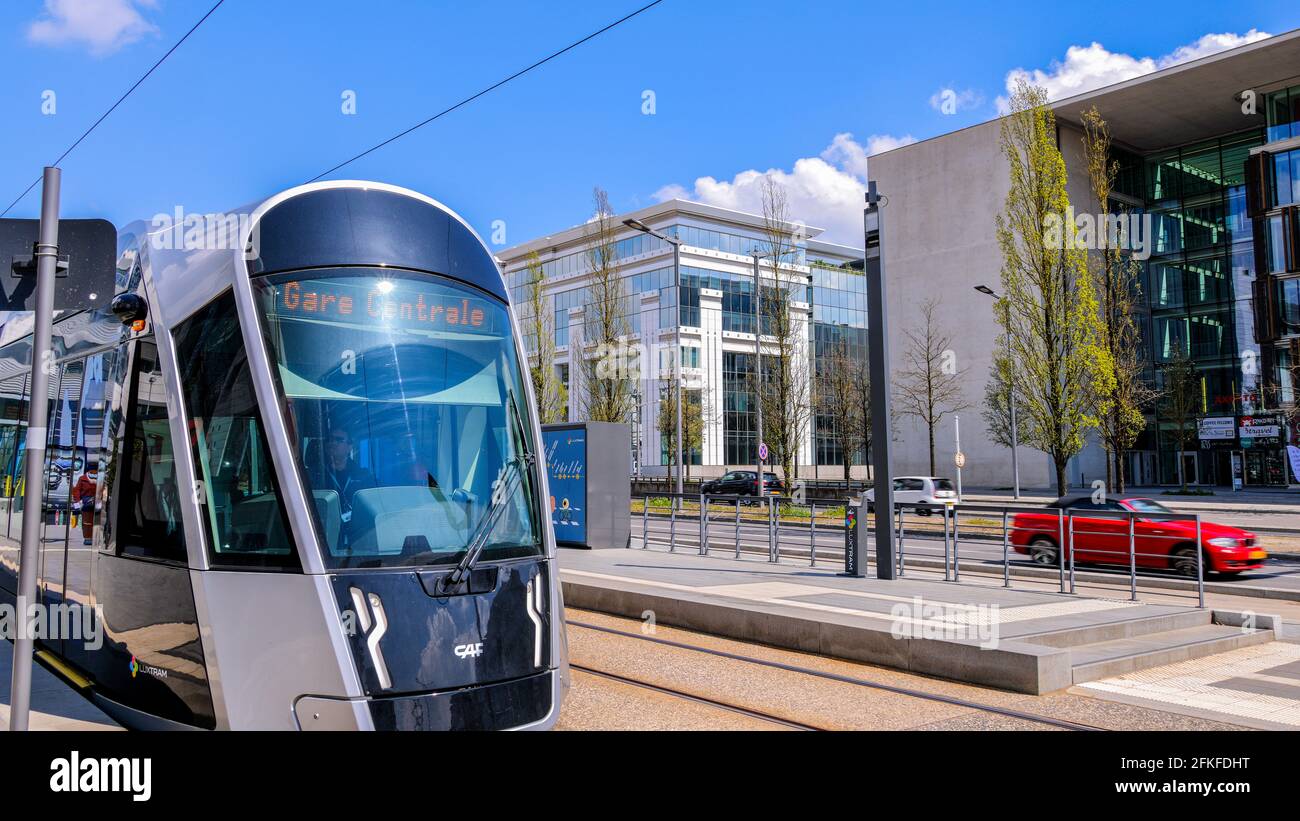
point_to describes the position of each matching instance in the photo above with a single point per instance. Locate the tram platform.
(55, 705)
(1024, 640)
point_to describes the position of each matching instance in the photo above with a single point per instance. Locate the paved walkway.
(55, 705)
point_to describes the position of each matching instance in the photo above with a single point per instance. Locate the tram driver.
(343, 475)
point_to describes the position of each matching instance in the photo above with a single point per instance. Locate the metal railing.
(782, 528)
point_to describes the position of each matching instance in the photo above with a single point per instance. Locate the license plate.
(1257, 554)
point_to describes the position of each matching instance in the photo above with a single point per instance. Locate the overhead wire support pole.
(38, 410)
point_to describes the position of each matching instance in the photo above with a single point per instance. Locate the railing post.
(737, 527)
(812, 534)
(1132, 560)
(672, 526)
(1060, 546)
(1200, 567)
(900, 541)
(773, 544)
(645, 522)
(956, 546)
(1071, 540)
(1006, 544)
(947, 546)
(704, 524)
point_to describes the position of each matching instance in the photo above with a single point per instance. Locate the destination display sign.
(391, 303)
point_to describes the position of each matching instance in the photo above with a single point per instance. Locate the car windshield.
(397, 389)
(1146, 506)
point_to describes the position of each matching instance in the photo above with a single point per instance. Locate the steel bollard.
(645, 522)
(900, 542)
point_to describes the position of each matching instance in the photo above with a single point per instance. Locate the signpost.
(42, 279)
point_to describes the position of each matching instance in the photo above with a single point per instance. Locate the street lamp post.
(1011, 394)
(677, 332)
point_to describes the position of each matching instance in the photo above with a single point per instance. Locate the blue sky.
(251, 104)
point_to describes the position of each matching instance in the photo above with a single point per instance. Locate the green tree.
(697, 415)
(1123, 395)
(539, 325)
(1050, 314)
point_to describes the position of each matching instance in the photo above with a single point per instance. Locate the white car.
(922, 490)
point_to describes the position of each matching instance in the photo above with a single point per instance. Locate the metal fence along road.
(1115, 546)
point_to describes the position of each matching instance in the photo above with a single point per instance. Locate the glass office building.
(710, 326)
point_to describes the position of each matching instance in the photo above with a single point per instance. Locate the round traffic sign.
(762, 451)
(960, 459)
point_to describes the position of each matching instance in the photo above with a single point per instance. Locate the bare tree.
(1182, 401)
(608, 369)
(552, 398)
(697, 416)
(844, 396)
(785, 386)
(929, 385)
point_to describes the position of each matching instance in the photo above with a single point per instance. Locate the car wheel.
(1183, 562)
(1042, 551)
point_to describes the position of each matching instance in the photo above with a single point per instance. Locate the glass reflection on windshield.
(396, 387)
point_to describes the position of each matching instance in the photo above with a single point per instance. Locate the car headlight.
(1225, 541)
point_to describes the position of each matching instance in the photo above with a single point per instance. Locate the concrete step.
(1123, 629)
(1119, 656)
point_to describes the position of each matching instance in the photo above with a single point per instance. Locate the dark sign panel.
(566, 473)
(87, 264)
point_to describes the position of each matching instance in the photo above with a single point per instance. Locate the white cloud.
(103, 25)
(949, 100)
(824, 191)
(1089, 67)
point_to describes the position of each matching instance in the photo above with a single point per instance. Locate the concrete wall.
(940, 241)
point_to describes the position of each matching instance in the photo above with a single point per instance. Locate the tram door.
(64, 462)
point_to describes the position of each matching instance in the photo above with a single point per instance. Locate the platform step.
(1122, 629)
(1103, 659)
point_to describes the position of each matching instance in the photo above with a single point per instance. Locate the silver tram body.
(296, 448)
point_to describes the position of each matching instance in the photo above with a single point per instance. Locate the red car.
(1159, 542)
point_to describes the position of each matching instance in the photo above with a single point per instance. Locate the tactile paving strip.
(1198, 683)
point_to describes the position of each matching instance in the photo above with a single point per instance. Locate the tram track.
(954, 701)
(692, 697)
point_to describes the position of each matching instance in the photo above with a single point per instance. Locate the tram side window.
(149, 502)
(246, 520)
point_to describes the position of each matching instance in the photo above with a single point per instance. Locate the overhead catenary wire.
(120, 100)
(487, 90)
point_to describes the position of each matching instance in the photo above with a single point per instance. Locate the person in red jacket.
(83, 498)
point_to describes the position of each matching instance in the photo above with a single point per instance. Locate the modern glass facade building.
(711, 326)
(1209, 153)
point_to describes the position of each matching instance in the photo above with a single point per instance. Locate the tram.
(309, 493)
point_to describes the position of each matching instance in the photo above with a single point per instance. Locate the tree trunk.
(931, 450)
(1119, 470)
(1060, 476)
(847, 462)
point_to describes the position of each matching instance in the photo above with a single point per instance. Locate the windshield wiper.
(503, 490)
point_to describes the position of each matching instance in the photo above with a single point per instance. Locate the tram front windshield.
(403, 394)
